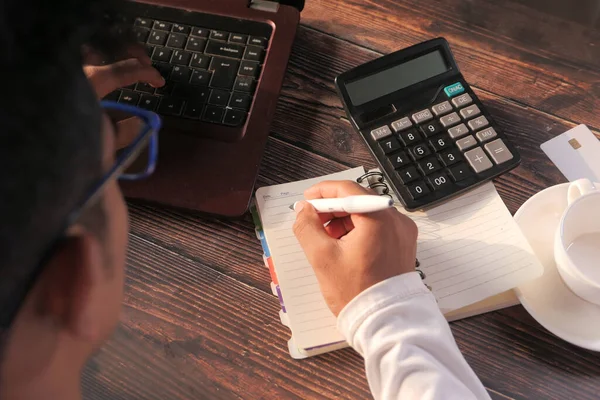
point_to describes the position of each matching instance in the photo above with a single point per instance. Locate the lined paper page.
(471, 248)
(311, 321)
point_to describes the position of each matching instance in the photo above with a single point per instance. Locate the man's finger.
(108, 78)
(311, 233)
(339, 227)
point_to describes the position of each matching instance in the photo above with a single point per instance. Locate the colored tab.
(454, 89)
(269, 264)
(263, 241)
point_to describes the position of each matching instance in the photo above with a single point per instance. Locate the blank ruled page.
(311, 321)
(470, 248)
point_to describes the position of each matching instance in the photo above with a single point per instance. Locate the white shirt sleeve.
(407, 344)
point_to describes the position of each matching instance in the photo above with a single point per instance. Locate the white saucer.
(547, 298)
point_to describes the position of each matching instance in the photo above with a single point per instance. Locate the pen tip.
(391, 202)
(292, 207)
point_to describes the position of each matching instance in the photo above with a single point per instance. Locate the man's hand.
(353, 252)
(107, 78)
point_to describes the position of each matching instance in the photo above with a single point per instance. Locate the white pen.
(351, 205)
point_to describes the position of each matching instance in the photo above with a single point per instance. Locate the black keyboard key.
(162, 26)
(254, 53)
(200, 61)
(193, 109)
(439, 180)
(113, 96)
(181, 74)
(258, 41)
(181, 57)
(200, 77)
(162, 54)
(144, 87)
(166, 89)
(219, 35)
(234, 117)
(191, 92)
(249, 68)
(214, 114)
(244, 84)
(224, 49)
(150, 50)
(195, 44)
(241, 101)
(129, 97)
(450, 157)
(219, 97)
(237, 38)
(408, 175)
(181, 29)
(420, 151)
(431, 129)
(225, 72)
(200, 32)
(141, 34)
(389, 145)
(429, 165)
(460, 171)
(418, 189)
(177, 40)
(149, 102)
(170, 106)
(158, 38)
(399, 160)
(409, 137)
(163, 69)
(130, 87)
(143, 22)
(440, 143)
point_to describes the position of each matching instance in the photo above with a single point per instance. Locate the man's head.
(55, 144)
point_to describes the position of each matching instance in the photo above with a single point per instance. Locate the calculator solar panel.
(431, 135)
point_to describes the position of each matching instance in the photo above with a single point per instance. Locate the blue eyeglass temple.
(147, 135)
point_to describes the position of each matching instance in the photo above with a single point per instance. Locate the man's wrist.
(395, 289)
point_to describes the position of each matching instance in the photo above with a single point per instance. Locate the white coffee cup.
(577, 241)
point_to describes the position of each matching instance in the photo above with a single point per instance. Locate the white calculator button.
(401, 124)
(442, 108)
(422, 116)
(381, 133)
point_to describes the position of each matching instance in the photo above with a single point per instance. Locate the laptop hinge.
(273, 5)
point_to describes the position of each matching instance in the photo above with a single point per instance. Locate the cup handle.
(579, 188)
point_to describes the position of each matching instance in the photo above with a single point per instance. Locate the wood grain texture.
(199, 320)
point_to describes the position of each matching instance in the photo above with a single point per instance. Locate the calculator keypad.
(441, 149)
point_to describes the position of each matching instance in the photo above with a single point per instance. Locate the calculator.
(430, 134)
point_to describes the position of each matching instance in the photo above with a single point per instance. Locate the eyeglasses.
(144, 126)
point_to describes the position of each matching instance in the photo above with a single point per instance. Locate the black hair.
(50, 125)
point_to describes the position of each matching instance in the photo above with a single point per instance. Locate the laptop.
(224, 62)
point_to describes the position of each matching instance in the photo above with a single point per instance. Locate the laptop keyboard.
(211, 75)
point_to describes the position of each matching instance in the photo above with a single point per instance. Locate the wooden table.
(199, 320)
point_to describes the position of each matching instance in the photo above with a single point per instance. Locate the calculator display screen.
(382, 83)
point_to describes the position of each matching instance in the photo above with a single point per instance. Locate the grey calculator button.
(462, 100)
(422, 116)
(381, 133)
(478, 160)
(442, 108)
(470, 112)
(466, 143)
(450, 119)
(401, 124)
(458, 131)
(478, 123)
(498, 151)
(486, 134)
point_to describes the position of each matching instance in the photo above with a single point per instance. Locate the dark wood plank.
(505, 48)
(189, 332)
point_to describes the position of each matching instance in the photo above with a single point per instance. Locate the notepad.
(469, 249)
